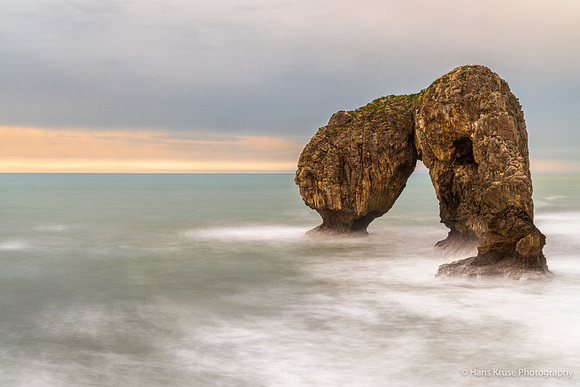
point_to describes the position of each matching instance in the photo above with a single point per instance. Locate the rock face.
(469, 131)
(354, 168)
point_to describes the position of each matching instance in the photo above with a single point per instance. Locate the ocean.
(210, 280)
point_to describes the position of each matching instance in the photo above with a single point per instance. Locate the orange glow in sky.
(38, 150)
(73, 150)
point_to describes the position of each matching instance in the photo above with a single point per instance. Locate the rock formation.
(469, 131)
(354, 169)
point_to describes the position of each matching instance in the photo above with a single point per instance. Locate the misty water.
(156, 280)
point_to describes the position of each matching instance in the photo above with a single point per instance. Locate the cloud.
(80, 150)
(554, 166)
(74, 150)
(254, 68)
(242, 65)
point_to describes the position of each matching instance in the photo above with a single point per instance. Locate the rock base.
(324, 230)
(502, 269)
(457, 245)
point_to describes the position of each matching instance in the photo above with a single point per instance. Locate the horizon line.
(420, 172)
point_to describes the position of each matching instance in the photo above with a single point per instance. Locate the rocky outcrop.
(354, 168)
(469, 131)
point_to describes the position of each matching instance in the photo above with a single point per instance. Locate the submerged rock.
(469, 131)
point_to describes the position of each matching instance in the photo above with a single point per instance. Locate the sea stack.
(469, 131)
(354, 168)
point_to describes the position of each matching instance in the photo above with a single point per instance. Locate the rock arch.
(469, 131)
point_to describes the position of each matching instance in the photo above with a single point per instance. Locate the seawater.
(204, 280)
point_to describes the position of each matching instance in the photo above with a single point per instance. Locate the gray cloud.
(279, 69)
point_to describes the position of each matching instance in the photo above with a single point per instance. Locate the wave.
(14, 245)
(549, 200)
(50, 228)
(248, 233)
(562, 223)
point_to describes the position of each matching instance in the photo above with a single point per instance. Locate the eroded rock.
(354, 168)
(468, 129)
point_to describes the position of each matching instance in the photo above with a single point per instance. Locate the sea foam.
(13, 245)
(247, 233)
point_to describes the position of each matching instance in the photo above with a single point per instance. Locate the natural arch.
(468, 129)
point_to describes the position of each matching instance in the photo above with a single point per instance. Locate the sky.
(242, 85)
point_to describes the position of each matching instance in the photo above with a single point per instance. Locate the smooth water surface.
(156, 280)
